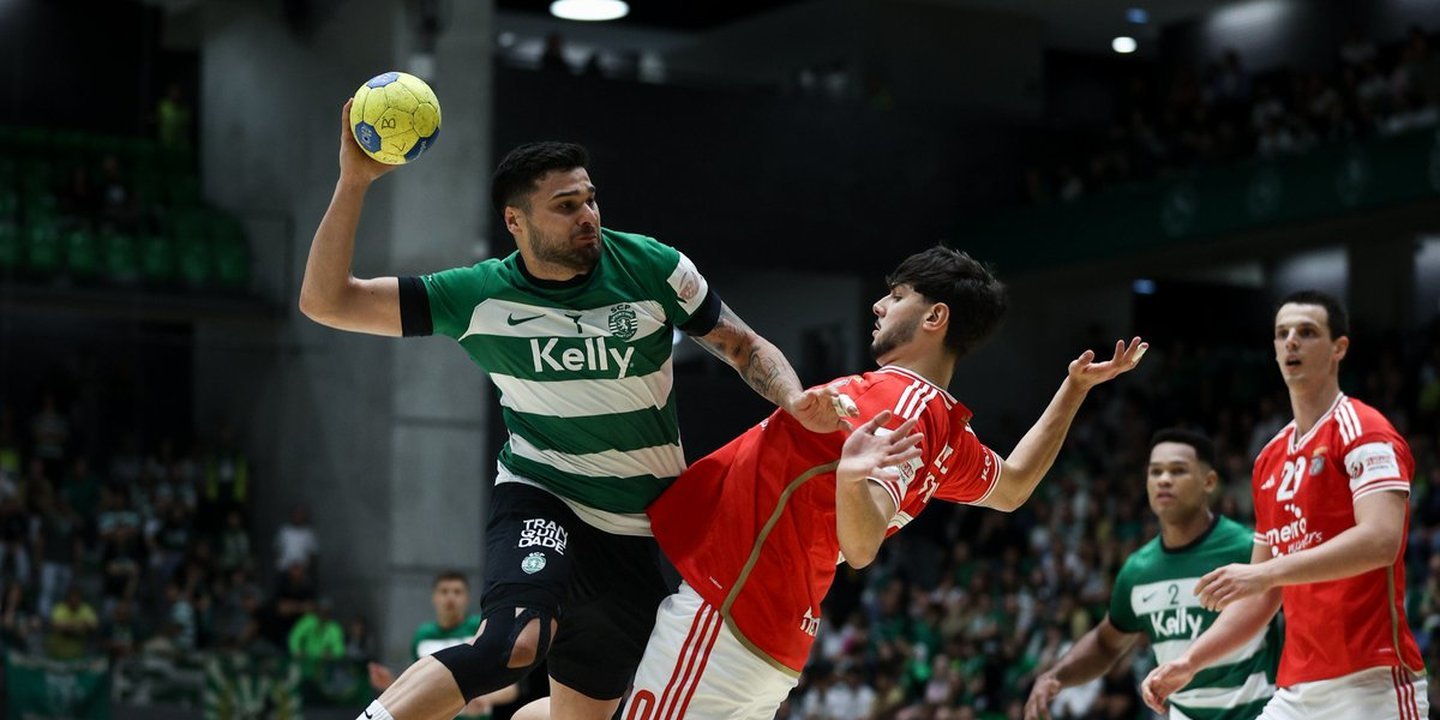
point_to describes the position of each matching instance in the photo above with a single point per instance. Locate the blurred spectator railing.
(221, 685)
(41, 687)
(1148, 216)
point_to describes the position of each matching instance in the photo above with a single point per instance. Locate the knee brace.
(483, 666)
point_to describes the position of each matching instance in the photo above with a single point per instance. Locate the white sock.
(376, 711)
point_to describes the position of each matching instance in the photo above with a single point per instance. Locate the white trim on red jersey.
(1298, 442)
(949, 399)
(1350, 429)
(999, 471)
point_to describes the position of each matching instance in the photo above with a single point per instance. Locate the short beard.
(579, 259)
(896, 337)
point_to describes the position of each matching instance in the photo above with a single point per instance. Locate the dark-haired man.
(1331, 516)
(757, 528)
(450, 595)
(575, 331)
(1154, 594)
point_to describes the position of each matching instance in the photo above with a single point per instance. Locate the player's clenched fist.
(1164, 681)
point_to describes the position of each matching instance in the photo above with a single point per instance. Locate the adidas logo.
(1268, 483)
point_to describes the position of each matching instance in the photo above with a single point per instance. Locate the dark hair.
(1204, 448)
(1336, 317)
(449, 575)
(976, 299)
(517, 174)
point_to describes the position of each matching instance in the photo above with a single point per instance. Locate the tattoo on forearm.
(764, 374)
(759, 363)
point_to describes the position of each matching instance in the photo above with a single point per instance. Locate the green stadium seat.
(232, 264)
(44, 251)
(11, 249)
(122, 258)
(157, 259)
(231, 254)
(82, 255)
(195, 261)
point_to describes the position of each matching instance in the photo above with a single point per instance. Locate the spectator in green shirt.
(317, 637)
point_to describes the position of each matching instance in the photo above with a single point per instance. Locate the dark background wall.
(89, 64)
(754, 179)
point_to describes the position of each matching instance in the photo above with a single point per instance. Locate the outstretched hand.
(355, 165)
(872, 452)
(1087, 373)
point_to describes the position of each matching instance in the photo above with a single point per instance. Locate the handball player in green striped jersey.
(575, 330)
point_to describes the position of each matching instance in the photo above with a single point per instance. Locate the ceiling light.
(589, 10)
(1123, 45)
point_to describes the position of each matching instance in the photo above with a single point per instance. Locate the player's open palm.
(1164, 681)
(1041, 695)
(354, 163)
(872, 451)
(1087, 373)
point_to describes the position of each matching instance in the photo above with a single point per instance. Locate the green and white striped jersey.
(1154, 594)
(583, 368)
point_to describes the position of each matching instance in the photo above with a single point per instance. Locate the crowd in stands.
(149, 553)
(966, 606)
(1226, 112)
(88, 209)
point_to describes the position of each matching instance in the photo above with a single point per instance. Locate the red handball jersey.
(1305, 489)
(752, 526)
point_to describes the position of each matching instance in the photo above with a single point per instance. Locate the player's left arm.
(870, 458)
(766, 370)
(1036, 451)
(1374, 542)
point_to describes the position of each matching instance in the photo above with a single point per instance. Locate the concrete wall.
(382, 438)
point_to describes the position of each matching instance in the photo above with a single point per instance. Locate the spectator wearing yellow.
(72, 623)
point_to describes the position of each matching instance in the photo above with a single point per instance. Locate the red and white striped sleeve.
(1372, 460)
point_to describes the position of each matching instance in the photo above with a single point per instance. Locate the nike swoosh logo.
(368, 715)
(1147, 597)
(514, 321)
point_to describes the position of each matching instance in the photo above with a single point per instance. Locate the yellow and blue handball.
(395, 117)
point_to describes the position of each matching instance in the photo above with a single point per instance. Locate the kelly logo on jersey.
(591, 354)
(1178, 624)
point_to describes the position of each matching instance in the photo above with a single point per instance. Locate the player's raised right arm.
(330, 294)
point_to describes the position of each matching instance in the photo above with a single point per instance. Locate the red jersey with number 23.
(751, 527)
(1305, 488)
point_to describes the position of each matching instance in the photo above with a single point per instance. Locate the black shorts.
(603, 589)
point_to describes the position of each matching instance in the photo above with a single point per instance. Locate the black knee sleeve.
(483, 666)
